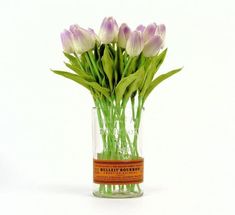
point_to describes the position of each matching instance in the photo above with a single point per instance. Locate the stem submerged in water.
(118, 142)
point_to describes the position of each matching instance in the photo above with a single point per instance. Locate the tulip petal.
(161, 31)
(67, 41)
(149, 31)
(123, 35)
(84, 40)
(108, 30)
(135, 43)
(140, 28)
(152, 46)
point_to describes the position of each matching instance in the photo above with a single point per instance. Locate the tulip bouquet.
(118, 67)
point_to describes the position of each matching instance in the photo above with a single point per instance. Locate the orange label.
(118, 171)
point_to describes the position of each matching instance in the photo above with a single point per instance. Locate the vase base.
(118, 195)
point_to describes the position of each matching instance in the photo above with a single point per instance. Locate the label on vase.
(118, 171)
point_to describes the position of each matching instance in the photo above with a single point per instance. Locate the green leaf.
(141, 61)
(132, 67)
(151, 70)
(73, 77)
(80, 72)
(103, 84)
(71, 58)
(107, 62)
(134, 86)
(158, 80)
(99, 65)
(124, 83)
(86, 84)
(111, 49)
(74, 60)
(159, 60)
(126, 66)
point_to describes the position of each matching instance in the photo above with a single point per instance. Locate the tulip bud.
(161, 31)
(149, 31)
(108, 30)
(123, 35)
(135, 43)
(83, 39)
(67, 41)
(140, 28)
(94, 35)
(152, 46)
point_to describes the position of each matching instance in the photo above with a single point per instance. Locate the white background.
(45, 120)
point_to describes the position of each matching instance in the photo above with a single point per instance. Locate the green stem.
(91, 57)
(127, 67)
(133, 107)
(78, 61)
(89, 63)
(113, 116)
(137, 124)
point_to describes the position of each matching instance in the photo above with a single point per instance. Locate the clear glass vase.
(117, 151)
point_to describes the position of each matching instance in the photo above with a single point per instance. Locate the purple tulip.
(83, 39)
(149, 31)
(135, 43)
(94, 35)
(152, 46)
(123, 35)
(67, 41)
(108, 30)
(161, 31)
(140, 28)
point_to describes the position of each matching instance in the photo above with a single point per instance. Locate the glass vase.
(118, 163)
